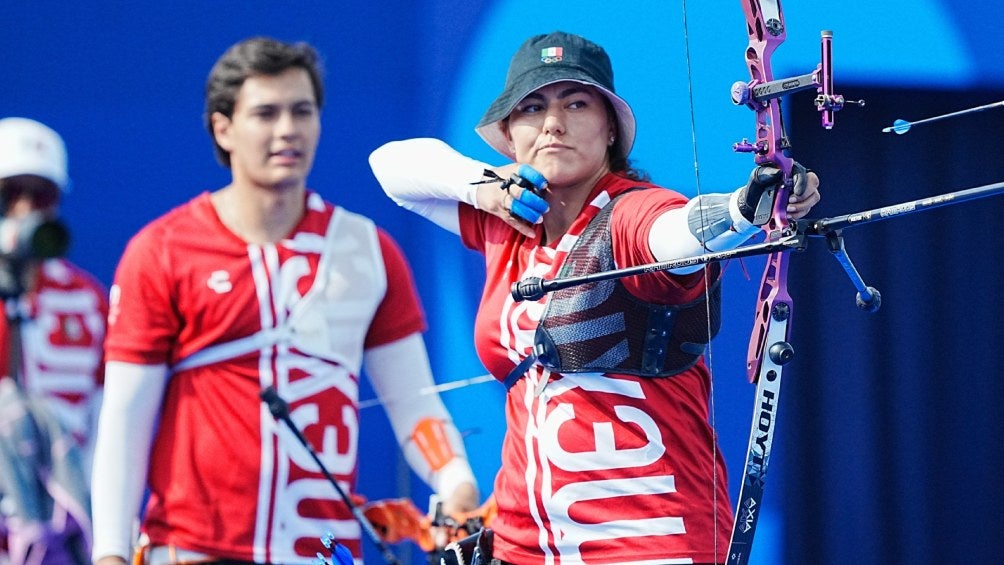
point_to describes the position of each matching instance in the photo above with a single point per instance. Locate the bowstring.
(708, 356)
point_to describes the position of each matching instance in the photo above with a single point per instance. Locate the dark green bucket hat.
(551, 58)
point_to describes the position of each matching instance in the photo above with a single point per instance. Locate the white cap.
(28, 147)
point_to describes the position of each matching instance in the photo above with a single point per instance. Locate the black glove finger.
(765, 176)
(800, 177)
(752, 204)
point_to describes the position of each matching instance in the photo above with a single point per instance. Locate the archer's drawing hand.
(519, 202)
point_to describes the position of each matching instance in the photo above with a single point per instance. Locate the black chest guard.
(602, 328)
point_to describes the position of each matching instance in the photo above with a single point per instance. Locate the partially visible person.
(261, 283)
(608, 455)
(51, 339)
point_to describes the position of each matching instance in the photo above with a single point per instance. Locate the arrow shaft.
(950, 115)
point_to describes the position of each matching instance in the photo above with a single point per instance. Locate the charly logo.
(551, 54)
(219, 281)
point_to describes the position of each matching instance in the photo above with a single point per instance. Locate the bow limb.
(768, 349)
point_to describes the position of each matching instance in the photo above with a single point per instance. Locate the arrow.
(902, 126)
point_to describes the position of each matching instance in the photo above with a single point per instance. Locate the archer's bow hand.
(805, 193)
(755, 199)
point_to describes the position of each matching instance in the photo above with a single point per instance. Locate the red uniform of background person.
(261, 284)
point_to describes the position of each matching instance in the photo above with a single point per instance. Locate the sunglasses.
(42, 192)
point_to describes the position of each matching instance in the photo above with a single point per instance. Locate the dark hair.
(618, 162)
(254, 57)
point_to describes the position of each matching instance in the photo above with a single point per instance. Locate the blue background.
(123, 83)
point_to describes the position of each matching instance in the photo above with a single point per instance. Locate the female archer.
(608, 456)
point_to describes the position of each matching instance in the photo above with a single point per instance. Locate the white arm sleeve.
(673, 233)
(129, 411)
(398, 372)
(428, 177)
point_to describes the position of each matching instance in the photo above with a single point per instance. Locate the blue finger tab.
(534, 201)
(524, 212)
(531, 174)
